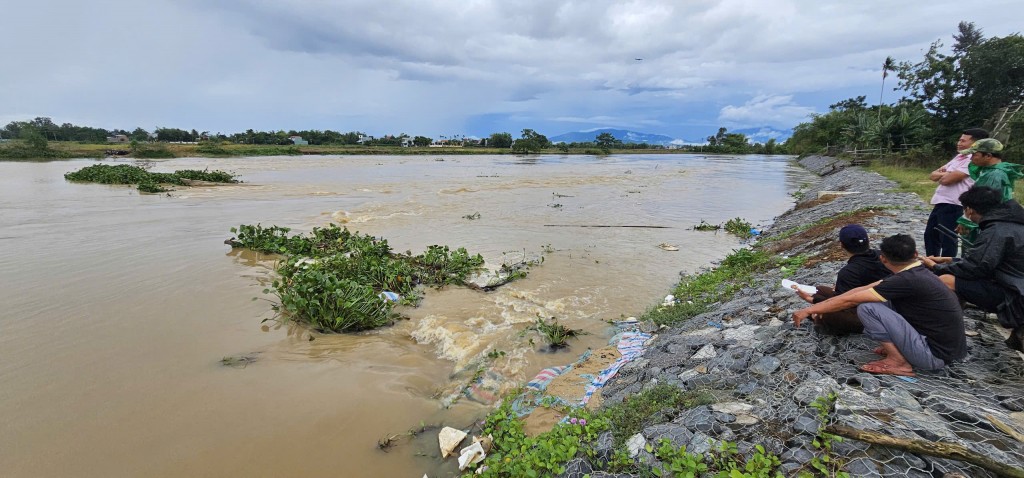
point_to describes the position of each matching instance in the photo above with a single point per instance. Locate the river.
(118, 306)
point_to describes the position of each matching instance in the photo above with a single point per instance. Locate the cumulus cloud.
(437, 67)
(778, 111)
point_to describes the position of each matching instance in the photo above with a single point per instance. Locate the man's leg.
(908, 347)
(932, 240)
(947, 216)
(843, 322)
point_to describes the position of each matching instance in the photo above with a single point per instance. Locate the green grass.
(632, 415)
(914, 179)
(698, 292)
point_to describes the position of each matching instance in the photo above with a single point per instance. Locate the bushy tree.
(531, 142)
(500, 140)
(607, 141)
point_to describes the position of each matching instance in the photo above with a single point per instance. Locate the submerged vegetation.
(339, 281)
(146, 181)
(557, 335)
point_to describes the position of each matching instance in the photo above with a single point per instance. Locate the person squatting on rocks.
(954, 178)
(991, 274)
(862, 268)
(914, 315)
(988, 169)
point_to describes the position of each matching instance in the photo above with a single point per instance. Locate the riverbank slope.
(768, 376)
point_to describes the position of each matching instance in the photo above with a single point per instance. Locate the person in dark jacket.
(991, 274)
(861, 269)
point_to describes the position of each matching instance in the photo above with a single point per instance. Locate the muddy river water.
(117, 308)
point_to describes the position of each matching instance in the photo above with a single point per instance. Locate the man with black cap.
(861, 269)
(914, 316)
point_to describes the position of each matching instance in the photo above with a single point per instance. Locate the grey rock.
(706, 352)
(862, 467)
(797, 455)
(766, 365)
(697, 419)
(678, 435)
(811, 390)
(806, 424)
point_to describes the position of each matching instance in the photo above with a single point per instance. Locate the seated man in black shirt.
(916, 318)
(861, 269)
(991, 274)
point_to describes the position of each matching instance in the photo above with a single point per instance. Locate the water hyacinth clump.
(146, 181)
(335, 279)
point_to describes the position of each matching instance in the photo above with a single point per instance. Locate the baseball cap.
(853, 236)
(987, 145)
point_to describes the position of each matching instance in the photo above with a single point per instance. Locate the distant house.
(298, 141)
(118, 138)
(363, 139)
(407, 142)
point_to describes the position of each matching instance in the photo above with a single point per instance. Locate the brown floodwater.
(118, 307)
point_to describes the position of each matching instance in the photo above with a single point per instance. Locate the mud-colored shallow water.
(118, 307)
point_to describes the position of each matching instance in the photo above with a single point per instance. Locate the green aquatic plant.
(145, 180)
(706, 226)
(334, 279)
(556, 334)
(739, 227)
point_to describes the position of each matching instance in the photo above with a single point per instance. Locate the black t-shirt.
(930, 307)
(862, 269)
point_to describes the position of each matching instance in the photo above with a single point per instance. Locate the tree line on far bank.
(979, 84)
(33, 137)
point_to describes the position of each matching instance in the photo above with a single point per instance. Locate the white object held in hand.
(788, 284)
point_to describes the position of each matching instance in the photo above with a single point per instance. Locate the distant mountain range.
(757, 135)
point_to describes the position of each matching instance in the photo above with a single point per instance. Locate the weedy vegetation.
(556, 334)
(516, 455)
(333, 279)
(144, 180)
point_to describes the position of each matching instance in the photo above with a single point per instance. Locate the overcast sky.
(470, 67)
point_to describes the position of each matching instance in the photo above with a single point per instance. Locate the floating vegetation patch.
(146, 181)
(706, 226)
(740, 228)
(239, 361)
(342, 281)
(472, 217)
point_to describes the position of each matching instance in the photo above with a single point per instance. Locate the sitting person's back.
(862, 268)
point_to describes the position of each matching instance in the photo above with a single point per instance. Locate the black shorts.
(985, 294)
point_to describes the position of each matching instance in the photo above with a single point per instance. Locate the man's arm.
(952, 177)
(843, 301)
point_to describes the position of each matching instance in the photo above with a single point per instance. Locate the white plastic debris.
(668, 247)
(670, 300)
(449, 439)
(471, 455)
(635, 444)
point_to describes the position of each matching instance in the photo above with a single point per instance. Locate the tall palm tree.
(887, 66)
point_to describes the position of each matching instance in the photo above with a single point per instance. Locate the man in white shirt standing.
(954, 179)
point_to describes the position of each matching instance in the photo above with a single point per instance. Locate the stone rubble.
(766, 373)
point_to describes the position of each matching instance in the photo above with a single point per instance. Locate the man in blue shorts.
(914, 315)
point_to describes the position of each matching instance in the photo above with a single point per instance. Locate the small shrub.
(556, 334)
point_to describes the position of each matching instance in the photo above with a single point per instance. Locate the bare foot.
(882, 367)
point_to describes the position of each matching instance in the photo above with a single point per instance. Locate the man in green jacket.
(988, 169)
